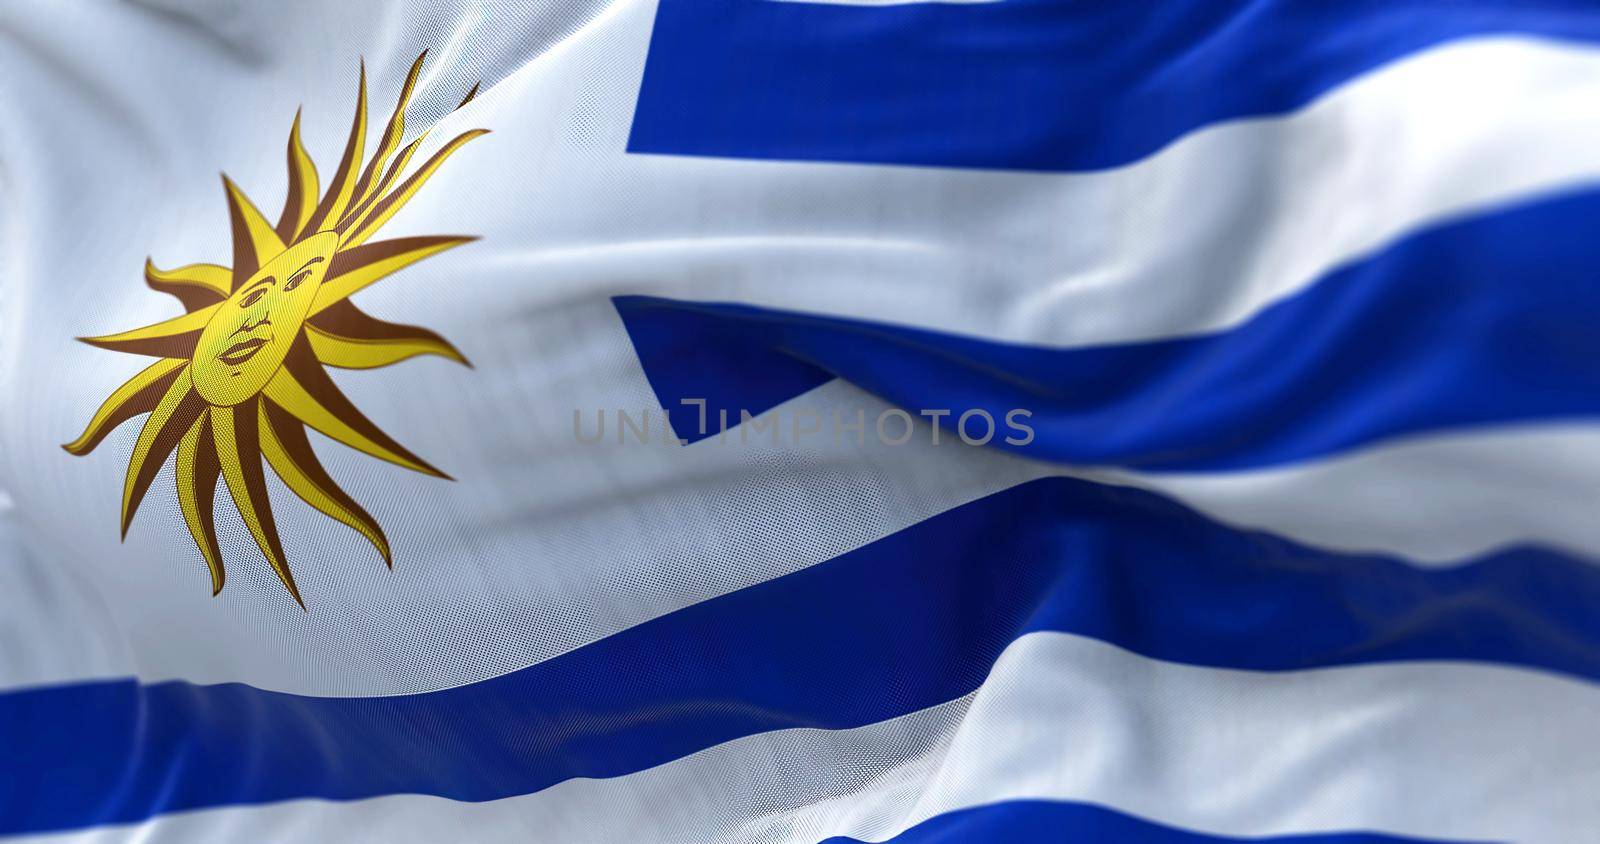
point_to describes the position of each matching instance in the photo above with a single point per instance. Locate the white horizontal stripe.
(51, 623)
(1196, 238)
(1426, 749)
(1435, 500)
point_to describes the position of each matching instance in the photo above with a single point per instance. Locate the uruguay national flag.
(800, 421)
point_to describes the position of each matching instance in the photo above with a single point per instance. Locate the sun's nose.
(247, 326)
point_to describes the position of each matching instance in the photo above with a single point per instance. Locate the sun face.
(247, 340)
(241, 375)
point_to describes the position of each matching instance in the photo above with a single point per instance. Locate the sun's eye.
(253, 297)
(295, 282)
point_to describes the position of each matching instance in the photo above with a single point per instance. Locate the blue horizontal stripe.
(1024, 84)
(1489, 320)
(907, 622)
(1049, 822)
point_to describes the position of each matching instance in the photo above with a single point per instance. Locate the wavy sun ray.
(196, 471)
(288, 452)
(347, 337)
(137, 396)
(178, 409)
(241, 373)
(197, 286)
(302, 199)
(391, 137)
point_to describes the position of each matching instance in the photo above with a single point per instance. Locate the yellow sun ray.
(389, 142)
(372, 262)
(254, 239)
(308, 394)
(236, 433)
(347, 353)
(346, 337)
(333, 204)
(196, 285)
(196, 469)
(392, 203)
(289, 453)
(171, 338)
(137, 395)
(178, 409)
(301, 200)
(358, 212)
(242, 375)
(370, 192)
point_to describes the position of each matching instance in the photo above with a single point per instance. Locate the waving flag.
(780, 421)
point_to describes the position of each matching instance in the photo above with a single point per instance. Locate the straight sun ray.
(305, 390)
(172, 338)
(364, 265)
(236, 433)
(254, 239)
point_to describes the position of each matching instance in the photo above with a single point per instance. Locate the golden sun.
(240, 376)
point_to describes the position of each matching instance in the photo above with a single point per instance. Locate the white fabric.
(1432, 501)
(1431, 750)
(553, 544)
(114, 119)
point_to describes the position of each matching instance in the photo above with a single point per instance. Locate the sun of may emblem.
(240, 376)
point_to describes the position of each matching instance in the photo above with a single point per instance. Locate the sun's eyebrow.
(266, 279)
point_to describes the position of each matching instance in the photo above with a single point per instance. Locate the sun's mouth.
(242, 351)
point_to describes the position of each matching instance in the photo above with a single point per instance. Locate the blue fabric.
(1024, 84)
(1049, 822)
(1489, 320)
(907, 622)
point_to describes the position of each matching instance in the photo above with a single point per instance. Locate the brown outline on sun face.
(241, 375)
